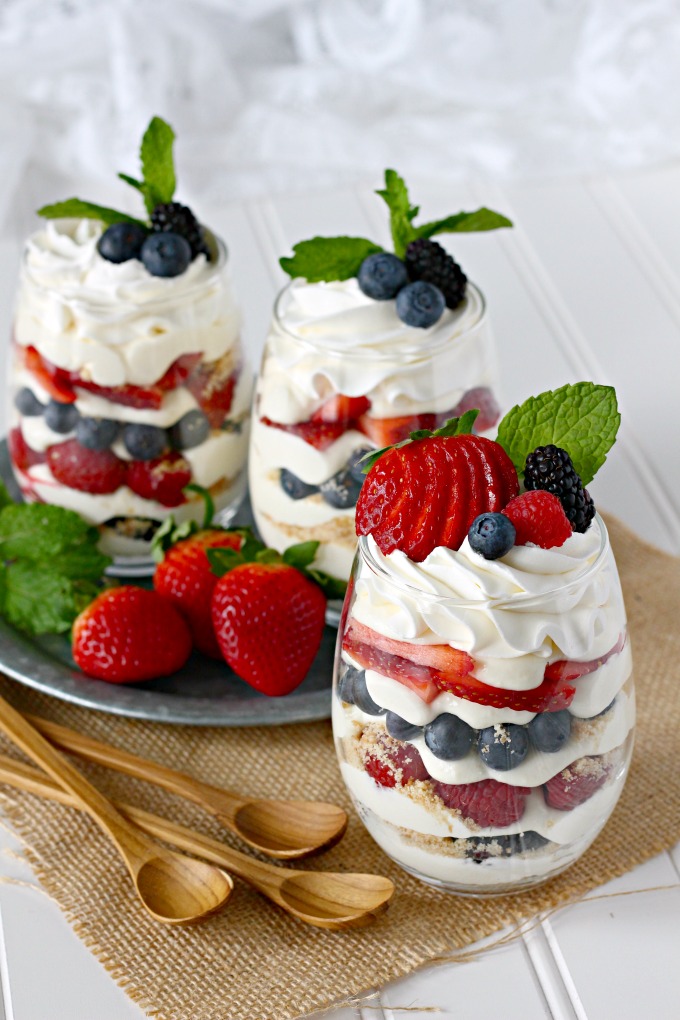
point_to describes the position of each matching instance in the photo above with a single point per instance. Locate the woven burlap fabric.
(252, 962)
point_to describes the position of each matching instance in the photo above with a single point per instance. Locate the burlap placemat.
(252, 962)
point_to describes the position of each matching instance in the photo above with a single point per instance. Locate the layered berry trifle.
(365, 347)
(483, 703)
(130, 392)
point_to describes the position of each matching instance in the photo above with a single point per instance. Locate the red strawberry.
(162, 479)
(549, 696)
(395, 764)
(576, 784)
(427, 493)
(129, 634)
(539, 518)
(342, 409)
(21, 454)
(388, 431)
(212, 384)
(487, 803)
(319, 434)
(567, 669)
(94, 471)
(268, 619)
(483, 399)
(55, 380)
(184, 576)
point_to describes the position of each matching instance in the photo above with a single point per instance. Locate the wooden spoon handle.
(129, 764)
(19, 730)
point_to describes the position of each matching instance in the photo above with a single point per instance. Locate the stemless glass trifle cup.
(126, 387)
(341, 374)
(483, 703)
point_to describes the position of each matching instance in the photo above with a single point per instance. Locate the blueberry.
(61, 417)
(345, 685)
(96, 433)
(166, 254)
(28, 404)
(503, 747)
(550, 731)
(400, 728)
(491, 535)
(342, 490)
(448, 737)
(382, 275)
(191, 430)
(354, 465)
(122, 241)
(420, 304)
(480, 848)
(605, 710)
(144, 442)
(362, 699)
(294, 486)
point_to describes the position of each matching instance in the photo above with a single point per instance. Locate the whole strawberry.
(130, 634)
(184, 576)
(268, 619)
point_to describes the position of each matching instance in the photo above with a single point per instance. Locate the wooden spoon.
(285, 829)
(174, 889)
(324, 899)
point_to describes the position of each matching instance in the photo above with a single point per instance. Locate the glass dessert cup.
(341, 375)
(468, 796)
(125, 389)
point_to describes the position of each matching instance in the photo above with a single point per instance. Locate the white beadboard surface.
(586, 286)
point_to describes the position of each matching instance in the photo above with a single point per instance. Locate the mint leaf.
(143, 188)
(75, 207)
(464, 222)
(158, 168)
(39, 531)
(582, 419)
(328, 258)
(5, 498)
(395, 194)
(300, 556)
(38, 600)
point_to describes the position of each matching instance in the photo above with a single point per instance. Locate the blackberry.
(550, 468)
(427, 260)
(179, 219)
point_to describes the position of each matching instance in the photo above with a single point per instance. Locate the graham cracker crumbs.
(339, 530)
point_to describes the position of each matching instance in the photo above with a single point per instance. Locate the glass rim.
(423, 355)
(216, 268)
(500, 601)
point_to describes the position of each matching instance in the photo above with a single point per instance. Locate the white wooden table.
(586, 287)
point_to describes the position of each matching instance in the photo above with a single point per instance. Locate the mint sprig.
(339, 258)
(581, 418)
(50, 567)
(452, 427)
(157, 185)
(328, 258)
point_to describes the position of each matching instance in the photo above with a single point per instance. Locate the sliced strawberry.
(568, 669)
(21, 454)
(319, 434)
(162, 479)
(447, 662)
(342, 409)
(213, 384)
(388, 431)
(55, 380)
(417, 678)
(549, 696)
(95, 471)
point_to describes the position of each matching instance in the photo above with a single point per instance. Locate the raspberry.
(482, 398)
(576, 784)
(179, 219)
(487, 802)
(550, 468)
(94, 471)
(21, 454)
(395, 763)
(426, 260)
(162, 479)
(539, 518)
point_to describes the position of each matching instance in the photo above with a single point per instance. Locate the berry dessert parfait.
(483, 704)
(130, 396)
(365, 347)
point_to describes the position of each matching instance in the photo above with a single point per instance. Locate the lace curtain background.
(269, 95)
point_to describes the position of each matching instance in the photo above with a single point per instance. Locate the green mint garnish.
(50, 567)
(157, 185)
(452, 427)
(328, 258)
(339, 258)
(582, 419)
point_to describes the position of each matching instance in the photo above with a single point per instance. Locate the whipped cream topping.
(569, 604)
(116, 323)
(331, 338)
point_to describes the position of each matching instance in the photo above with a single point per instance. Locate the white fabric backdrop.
(269, 95)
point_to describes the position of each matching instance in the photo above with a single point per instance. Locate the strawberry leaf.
(300, 556)
(457, 426)
(208, 503)
(223, 560)
(332, 587)
(169, 534)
